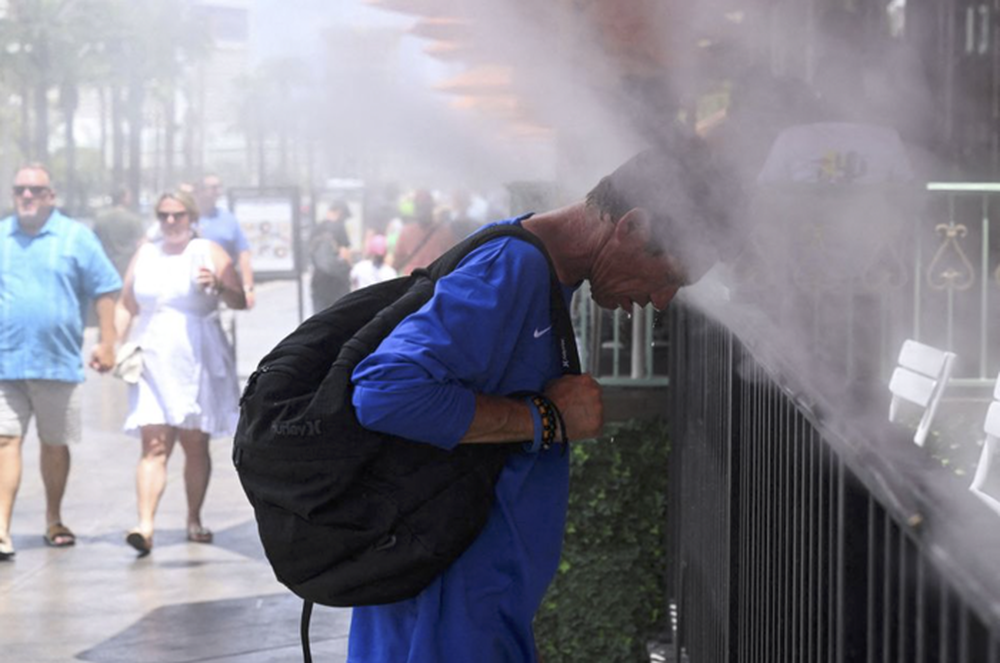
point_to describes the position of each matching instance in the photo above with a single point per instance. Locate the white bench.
(991, 446)
(920, 378)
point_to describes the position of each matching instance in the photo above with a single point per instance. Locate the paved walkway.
(184, 602)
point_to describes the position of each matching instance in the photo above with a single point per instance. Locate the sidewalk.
(184, 602)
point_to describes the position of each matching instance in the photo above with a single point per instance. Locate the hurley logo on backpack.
(304, 428)
(349, 516)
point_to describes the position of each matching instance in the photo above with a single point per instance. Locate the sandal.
(142, 543)
(6, 548)
(199, 534)
(59, 536)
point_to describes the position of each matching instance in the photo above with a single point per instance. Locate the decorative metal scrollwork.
(950, 269)
(886, 272)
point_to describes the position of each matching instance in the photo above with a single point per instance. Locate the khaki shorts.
(56, 406)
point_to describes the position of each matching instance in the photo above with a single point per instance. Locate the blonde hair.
(184, 198)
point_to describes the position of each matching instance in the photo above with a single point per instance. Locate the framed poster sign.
(270, 220)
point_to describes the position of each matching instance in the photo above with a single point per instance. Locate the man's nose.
(662, 298)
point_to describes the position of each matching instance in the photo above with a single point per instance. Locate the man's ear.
(635, 225)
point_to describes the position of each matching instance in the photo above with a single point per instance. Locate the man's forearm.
(578, 398)
(246, 271)
(499, 419)
(105, 307)
(246, 277)
(103, 356)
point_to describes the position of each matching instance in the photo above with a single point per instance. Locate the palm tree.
(124, 46)
(51, 44)
(272, 103)
(158, 41)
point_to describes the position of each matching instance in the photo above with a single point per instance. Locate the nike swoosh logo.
(542, 332)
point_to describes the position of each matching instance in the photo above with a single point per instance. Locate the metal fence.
(861, 268)
(797, 535)
(618, 347)
(956, 276)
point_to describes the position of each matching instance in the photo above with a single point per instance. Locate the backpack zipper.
(252, 381)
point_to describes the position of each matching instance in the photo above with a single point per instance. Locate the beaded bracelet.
(547, 419)
(561, 427)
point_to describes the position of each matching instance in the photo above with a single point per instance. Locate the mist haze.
(829, 273)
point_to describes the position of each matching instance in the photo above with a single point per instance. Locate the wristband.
(536, 418)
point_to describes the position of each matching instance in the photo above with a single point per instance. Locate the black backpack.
(349, 516)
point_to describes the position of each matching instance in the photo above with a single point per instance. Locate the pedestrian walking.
(372, 269)
(120, 229)
(423, 237)
(219, 225)
(330, 254)
(51, 269)
(187, 391)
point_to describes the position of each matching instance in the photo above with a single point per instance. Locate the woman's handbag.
(128, 363)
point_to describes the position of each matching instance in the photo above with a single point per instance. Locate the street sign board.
(270, 220)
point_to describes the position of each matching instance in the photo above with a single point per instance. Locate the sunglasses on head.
(163, 216)
(35, 189)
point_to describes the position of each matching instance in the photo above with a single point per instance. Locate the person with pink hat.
(372, 269)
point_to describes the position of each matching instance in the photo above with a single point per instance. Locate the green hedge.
(608, 598)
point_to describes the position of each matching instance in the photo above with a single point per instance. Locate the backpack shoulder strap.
(450, 259)
(421, 289)
(562, 325)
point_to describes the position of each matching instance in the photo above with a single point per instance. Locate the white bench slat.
(912, 386)
(992, 425)
(921, 378)
(922, 358)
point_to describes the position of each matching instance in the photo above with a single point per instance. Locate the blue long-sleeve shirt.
(487, 329)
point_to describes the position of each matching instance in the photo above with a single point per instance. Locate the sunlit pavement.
(185, 602)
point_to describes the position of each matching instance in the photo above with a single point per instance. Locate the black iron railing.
(798, 533)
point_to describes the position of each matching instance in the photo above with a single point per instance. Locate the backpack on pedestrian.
(350, 516)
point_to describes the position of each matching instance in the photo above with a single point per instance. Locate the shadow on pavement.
(256, 628)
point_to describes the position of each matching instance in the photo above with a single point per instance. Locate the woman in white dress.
(187, 391)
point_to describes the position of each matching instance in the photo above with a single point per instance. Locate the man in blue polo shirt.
(219, 225)
(51, 267)
(443, 375)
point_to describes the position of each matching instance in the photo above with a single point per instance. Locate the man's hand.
(102, 358)
(580, 400)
